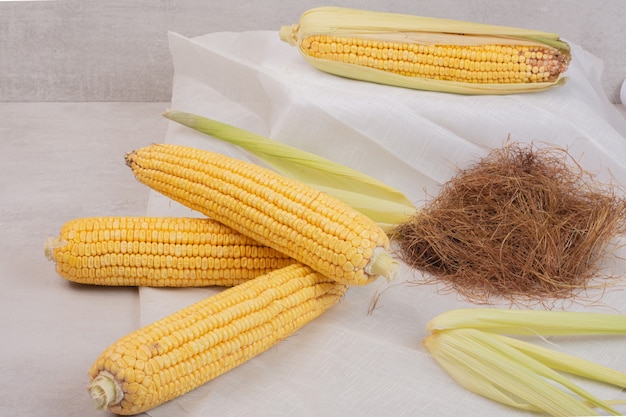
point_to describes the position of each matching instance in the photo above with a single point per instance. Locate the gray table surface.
(60, 161)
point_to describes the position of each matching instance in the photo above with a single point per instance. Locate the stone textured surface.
(117, 50)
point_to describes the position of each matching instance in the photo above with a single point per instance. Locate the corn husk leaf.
(471, 373)
(530, 322)
(514, 382)
(393, 27)
(567, 363)
(540, 368)
(377, 200)
(343, 21)
(487, 365)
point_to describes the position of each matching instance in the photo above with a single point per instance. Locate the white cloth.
(349, 362)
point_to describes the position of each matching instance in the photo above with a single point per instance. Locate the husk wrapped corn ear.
(428, 53)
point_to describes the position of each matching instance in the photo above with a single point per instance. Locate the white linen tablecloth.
(349, 362)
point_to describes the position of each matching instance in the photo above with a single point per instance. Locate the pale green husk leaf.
(467, 344)
(530, 322)
(382, 203)
(344, 21)
(495, 368)
(571, 364)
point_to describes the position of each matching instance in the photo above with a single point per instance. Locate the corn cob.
(158, 252)
(180, 352)
(428, 53)
(304, 223)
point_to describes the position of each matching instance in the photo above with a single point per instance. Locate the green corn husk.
(530, 322)
(568, 363)
(518, 373)
(485, 365)
(380, 202)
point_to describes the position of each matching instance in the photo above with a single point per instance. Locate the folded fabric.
(349, 362)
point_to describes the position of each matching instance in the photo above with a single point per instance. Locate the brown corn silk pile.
(521, 224)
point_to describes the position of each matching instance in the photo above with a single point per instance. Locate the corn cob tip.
(289, 34)
(50, 245)
(128, 158)
(105, 391)
(382, 264)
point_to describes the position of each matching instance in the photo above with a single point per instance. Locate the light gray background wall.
(117, 50)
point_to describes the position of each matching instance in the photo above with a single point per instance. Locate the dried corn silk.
(521, 224)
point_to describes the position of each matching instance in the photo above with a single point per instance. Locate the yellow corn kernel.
(428, 53)
(304, 223)
(158, 252)
(196, 344)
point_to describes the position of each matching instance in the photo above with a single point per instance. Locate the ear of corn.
(428, 53)
(194, 345)
(304, 223)
(158, 252)
(378, 201)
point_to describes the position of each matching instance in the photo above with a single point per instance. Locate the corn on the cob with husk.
(520, 374)
(158, 252)
(184, 350)
(429, 53)
(300, 221)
